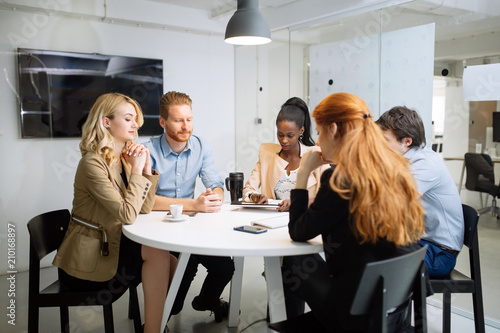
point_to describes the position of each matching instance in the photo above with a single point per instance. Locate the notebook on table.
(270, 204)
(273, 222)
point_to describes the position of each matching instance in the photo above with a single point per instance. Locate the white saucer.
(169, 218)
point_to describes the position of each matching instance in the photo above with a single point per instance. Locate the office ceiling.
(217, 8)
(473, 22)
(467, 30)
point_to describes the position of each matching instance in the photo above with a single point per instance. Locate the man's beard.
(173, 135)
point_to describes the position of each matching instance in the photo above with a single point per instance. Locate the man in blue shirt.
(444, 226)
(180, 158)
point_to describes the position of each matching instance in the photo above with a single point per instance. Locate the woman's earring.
(108, 127)
(300, 137)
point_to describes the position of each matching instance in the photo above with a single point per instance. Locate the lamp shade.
(247, 26)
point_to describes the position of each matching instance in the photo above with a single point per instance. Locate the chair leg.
(493, 207)
(133, 309)
(64, 318)
(109, 326)
(486, 209)
(446, 312)
(477, 304)
(33, 313)
(130, 300)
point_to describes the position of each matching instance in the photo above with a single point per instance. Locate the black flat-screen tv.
(58, 89)
(496, 126)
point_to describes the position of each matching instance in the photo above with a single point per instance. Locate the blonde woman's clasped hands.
(138, 157)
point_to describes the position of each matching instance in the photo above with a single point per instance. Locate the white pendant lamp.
(247, 26)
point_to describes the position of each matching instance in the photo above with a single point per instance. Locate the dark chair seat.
(456, 277)
(46, 234)
(458, 282)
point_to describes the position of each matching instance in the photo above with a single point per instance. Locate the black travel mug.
(234, 184)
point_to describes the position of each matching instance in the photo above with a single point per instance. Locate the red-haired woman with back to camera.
(366, 210)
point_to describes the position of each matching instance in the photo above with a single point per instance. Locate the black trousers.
(305, 285)
(219, 272)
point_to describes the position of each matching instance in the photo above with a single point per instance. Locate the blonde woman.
(113, 183)
(367, 209)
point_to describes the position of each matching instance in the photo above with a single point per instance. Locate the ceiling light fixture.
(247, 26)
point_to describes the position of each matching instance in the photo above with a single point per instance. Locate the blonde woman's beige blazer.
(101, 205)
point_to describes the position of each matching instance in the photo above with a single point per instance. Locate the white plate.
(170, 218)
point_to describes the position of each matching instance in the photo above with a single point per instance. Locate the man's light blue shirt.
(444, 224)
(178, 172)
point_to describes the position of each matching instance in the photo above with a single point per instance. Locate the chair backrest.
(478, 165)
(396, 276)
(47, 231)
(471, 240)
(488, 159)
(471, 219)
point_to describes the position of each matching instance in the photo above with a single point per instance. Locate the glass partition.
(388, 57)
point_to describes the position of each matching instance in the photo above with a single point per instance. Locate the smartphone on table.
(251, 229)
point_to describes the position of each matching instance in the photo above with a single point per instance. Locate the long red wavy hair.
(383, 198)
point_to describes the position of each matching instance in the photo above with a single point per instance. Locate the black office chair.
(46, 234)
(481, 178)
(460, 283)
(384, 285)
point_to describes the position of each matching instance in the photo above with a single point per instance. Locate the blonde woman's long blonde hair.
(95, 137)
(383, 198)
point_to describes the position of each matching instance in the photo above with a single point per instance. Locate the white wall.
(36, 175)
(456, 127)
(278, 69)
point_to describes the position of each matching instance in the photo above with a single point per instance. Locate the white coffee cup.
(176, 211)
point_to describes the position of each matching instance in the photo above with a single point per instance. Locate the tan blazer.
(101, 200)
(270, 168)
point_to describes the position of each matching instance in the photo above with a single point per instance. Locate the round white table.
(213, 234)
